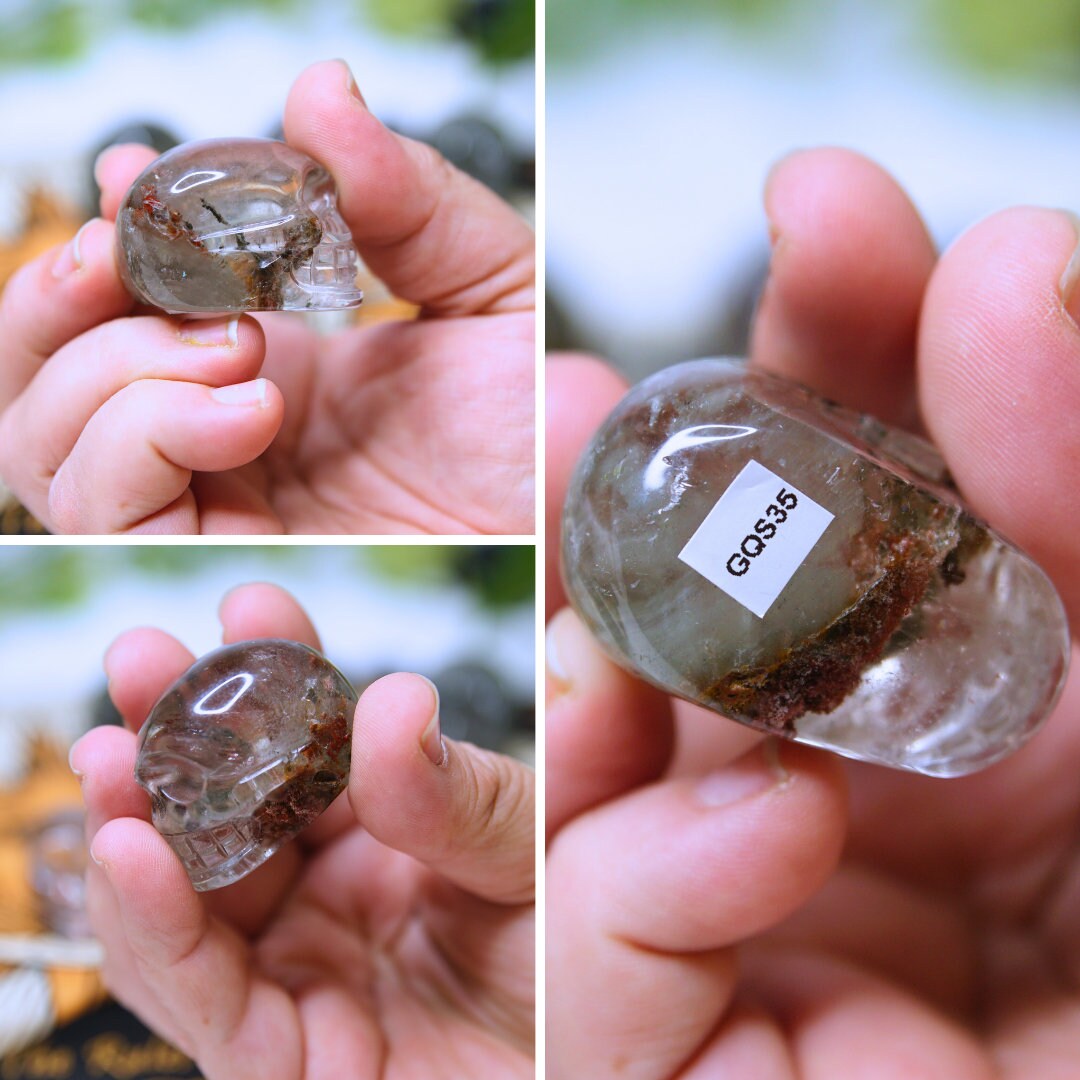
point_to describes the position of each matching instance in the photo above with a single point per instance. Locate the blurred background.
(663, 117)
(462, 615)
(79, 75)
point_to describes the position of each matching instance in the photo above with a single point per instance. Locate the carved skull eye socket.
(183, 789)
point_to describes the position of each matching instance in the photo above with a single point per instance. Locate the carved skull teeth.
(207, 848)
(332, 264)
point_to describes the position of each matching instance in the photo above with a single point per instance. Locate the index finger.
(581, 391)
(435, 236)
(142, 663)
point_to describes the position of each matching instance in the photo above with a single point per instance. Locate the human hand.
(394, 936)
(746, 919)
(115, 419)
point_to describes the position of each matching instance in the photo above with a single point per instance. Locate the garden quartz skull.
(246, 748)
(236, 225)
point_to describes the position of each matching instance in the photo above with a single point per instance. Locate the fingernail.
(246, 393)
(97, 165)
(100, 160)
(70, 258)
(431, 740)
(71, 759)
(753, 774)
(562, 647)
(1070, 279)
(210, 332)
(770, 176)
(98, 859)
(354, 90)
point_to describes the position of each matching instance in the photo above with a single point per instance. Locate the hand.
(746, 917)
(393, 937)
(114, 420)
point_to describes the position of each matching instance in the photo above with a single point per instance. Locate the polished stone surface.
(894, 627)
(246, 748)
(236, 225)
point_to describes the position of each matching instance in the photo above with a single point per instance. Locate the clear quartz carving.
(244, 750)
(890, 626)
(236, 225)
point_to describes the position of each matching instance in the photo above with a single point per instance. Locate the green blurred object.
(502, 30)
(48, 579)
(51, 31)
(54, 32)
(409, 16)
(499, 576)
(39, 577)
(184, 14)
(1038, 38)
(174, 560)
(576, 31)
(413, 564)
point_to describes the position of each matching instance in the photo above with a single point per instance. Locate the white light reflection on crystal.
(246, 680)
(683, 440)
(194, 179)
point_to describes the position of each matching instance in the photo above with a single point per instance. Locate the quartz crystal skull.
(236, 225)
(242, 751)
(738, 541)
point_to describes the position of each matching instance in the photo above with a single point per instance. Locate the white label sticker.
(756, 537)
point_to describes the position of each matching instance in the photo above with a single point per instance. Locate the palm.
(963, 894)
(421, 426)
(382, 941)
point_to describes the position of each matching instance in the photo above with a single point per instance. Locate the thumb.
(466, 813)
(434, 235)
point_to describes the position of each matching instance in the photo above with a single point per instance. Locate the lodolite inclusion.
(236, 225)
(910, 635)
(244, 750)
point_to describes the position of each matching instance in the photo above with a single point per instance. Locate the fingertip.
(326, 116)
(332, 77)
(999, 361)
(468, 814)
(393, 716)
(140, 664)
(260, 610)
(160, 911)
(115, 171)
(103, 751)
(850, 260)
(131, 851)
(131, 467)
(607, 732)
(580, 392)
(773, 821)
(574, 660)
(104, 760)
(434, 235)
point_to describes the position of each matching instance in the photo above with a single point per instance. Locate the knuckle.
(65, 513)
(498, 797)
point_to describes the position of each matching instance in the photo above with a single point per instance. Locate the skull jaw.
(205, 282)
(326, 281)
(221, 854)
(224, 849)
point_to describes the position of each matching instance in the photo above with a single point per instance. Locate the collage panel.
(268, 269)
(812, 407)
(277, 800)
